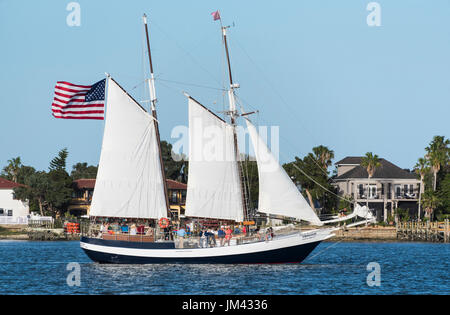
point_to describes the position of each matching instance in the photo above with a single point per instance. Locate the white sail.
(277, 193)
(129, 181)
(214, 187)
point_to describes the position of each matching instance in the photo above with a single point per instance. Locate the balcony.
(81, 201)
(396, 195)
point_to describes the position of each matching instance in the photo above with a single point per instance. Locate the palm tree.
(421, 168)
(438, 154)
(323, 156)
(430, 201)
(12, 169)
(371, 162)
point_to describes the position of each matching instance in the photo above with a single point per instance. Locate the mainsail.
(277, 193)
(214, 187)
(129, 181)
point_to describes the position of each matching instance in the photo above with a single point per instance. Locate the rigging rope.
(309, 177)
(271, 86)
(192, 84)
(185, 52)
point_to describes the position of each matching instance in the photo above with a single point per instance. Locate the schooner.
(131, 184)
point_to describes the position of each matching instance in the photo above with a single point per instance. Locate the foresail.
(214, 187)
(278, 195)
(129, 181)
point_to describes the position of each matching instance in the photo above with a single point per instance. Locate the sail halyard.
(153, 100)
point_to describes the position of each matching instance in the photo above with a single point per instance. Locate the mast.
(233, 115)
(151, 83)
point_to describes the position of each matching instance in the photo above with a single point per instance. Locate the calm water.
(333, 268)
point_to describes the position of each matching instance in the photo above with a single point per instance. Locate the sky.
(315, 69)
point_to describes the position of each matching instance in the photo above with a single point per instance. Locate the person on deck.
(124, 228)
(133, 230)
(211, 238)
(104, 228)
(181, 233)
(261, 234)
(203, 238)
(115, 227)
(221, 235)
(140, 229)
(228, 235)
(271, 233)
(215, 236)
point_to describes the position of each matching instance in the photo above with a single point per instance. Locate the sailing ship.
(131, 184)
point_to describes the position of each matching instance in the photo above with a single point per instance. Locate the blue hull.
(294, 254)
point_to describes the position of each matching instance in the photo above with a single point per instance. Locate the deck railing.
(157, 235)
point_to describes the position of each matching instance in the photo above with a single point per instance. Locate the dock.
(424, 231)
(56, 230)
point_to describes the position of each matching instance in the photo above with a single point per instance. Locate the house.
(12, 210)
(391, 187)
(177, 198)
(83, 190)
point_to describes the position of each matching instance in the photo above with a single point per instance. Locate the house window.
(2, 212)
(398, 191)
(361, 190)
(174, 196)
(183, 196)
(372, 191)
(10, 213)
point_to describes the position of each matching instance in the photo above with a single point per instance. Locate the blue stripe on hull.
(294, 254)
(126, 244)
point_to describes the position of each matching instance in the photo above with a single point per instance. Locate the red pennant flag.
(216, 15)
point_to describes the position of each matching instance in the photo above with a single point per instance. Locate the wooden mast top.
(153, 108)
(233, 115)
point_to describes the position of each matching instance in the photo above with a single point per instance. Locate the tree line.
(50, 192)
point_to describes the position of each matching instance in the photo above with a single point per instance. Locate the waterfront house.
(12, 210)
(391, 187)
(83, 190)
(177, 198)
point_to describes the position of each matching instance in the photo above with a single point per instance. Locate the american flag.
(73, 101)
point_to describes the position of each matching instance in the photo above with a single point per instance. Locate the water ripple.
(406, 268)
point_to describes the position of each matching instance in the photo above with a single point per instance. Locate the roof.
(172, 184)
(7, 184)
(386, 170)
(85, 183)
(350, 160)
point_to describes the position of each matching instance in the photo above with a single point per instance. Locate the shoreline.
(376, 234)
(25, 238)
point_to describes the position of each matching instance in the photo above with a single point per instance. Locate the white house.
(12, 211)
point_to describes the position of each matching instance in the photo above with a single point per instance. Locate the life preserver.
(163, 223)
